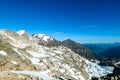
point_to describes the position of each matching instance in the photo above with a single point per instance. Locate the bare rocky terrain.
(22, 57)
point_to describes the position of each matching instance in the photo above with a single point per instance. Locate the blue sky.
(84, 21)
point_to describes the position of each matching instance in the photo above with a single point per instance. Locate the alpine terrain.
(39, 57)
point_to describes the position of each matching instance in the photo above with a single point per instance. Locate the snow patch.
(59, 52)
(39, 35)
(81, 77)
(72, 73)
(62, 70)
(16, 50)
(44, 37)
(97, 71)
(108, 68)
(21, 32)
(35, 60)
(13, 62)
(3, 53)
(38, 54)
(42, 74)
(117, 64)
(34, 54)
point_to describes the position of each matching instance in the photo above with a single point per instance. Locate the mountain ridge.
(22, 55)
(105, 49)
(79, 49)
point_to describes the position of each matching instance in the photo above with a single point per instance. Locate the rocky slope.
(74, 46)
(79, 49)
(22, 57)
(46, 40)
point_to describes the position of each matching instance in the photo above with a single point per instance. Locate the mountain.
(110, 50)
(22, 57)
(98, 47)
(46, 40)
(43, 37)
(113, 52)
(79, 49)
(75, 47)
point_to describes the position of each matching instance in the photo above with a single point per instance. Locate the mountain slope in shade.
(22, 55)
(113, 52)
(110, 50)
(79, 49)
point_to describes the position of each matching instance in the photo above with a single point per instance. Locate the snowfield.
(13, 62)
(42, 74)
(97, 71)
(44, 37)
(34, 60)
(21, 32)
(3, 53)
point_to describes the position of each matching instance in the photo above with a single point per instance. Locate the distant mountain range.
(110, 50)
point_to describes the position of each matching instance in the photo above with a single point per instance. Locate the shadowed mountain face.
(79, 49)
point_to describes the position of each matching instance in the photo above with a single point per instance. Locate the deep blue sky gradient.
(80, 20)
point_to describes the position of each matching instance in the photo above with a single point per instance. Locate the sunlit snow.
(42, 74)
(3, 53)
(21, 32)
(96, 70)
(13, 62)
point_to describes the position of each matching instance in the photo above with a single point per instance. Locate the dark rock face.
(79, 49)
(94, 78)
(116, 70)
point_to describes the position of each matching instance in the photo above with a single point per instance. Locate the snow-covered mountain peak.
(21, 32)
(44, 37)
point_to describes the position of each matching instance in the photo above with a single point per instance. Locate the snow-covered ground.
(97, 71)
(42, 74)
(34, 60)
(21, 32)
(13, 62)
(3, 53)
(108, 68)
(44, 37)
